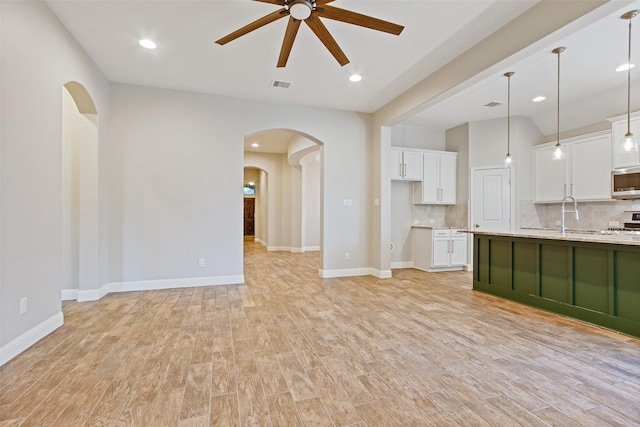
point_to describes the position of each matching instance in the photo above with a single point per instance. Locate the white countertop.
(437, 227)
(573, 236)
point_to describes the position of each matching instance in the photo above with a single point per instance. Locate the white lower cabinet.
(439, 249)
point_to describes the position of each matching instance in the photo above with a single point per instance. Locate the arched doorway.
(289, 189)
(79, 193)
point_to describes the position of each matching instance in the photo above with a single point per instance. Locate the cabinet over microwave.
(626, 183)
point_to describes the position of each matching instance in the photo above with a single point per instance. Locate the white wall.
(401, 206)
(38, 58)
(488, 146)
(417, 137)
(311, 187)
(177, 164)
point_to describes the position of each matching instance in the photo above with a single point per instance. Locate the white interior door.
(491, 199)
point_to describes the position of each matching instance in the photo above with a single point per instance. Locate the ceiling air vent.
(493, 104)
(280, 83)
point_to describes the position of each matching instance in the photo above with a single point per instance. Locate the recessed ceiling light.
(355, 77)
(539, 98)
(255, 145)
(148, 44)
(625, 67)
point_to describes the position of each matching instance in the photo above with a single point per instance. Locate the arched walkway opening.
(286, 168)
(79, 192)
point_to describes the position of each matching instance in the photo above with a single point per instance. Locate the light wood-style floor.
(288, 348)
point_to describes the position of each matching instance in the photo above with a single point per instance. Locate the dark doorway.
(249, 217)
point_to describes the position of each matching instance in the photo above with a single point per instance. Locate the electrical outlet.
(557, 222)
(347, 256)
(200, 262)
(416, 222)
(23, 305)
(432, 221)
(614, 224)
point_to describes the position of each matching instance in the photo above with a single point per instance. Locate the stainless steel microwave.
(626, 183)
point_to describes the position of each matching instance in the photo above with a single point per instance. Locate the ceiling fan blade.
(325, 37)
(354, 18)
(253, 26)
(276, 2)
(287, 43)
(323, 2)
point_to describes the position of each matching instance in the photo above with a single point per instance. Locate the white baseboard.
(29, 338)
(381, 274)
(306, 249)
(344, 272)
(401, 264)
(69, 294)
(150, 285)
(278, 248)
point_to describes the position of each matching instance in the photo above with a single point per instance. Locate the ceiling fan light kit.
(300, 9)
(310, 12)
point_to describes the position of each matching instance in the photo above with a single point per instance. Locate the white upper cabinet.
(406, 164)
(438, 179)
(585, 173)
(618, 131)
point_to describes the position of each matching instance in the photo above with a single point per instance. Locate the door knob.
(477, 226)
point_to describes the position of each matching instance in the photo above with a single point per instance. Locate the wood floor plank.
(272, 378)
(223, 379)
(252, 403)
(197, 392)
(224, 411)
(312, 413)
(290, 348)
(283, 411)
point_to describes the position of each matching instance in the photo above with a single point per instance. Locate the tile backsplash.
(593, 215)
(442, 216)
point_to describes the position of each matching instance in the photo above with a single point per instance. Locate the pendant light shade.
(559, 151)
(508, 159)
(629, 142)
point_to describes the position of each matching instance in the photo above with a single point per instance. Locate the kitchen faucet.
(575, 212)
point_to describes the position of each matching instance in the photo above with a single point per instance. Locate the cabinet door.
(440, 252)
(430, 178)
(412, 165)
(591, 169)
(459, 251)
(618, 131)
(550, 176)
(396, 164)
(448, 178)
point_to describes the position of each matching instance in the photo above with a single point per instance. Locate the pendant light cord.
(557, 153)
(509, 113)
(629, 84)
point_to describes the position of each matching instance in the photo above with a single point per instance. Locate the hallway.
(289, 348)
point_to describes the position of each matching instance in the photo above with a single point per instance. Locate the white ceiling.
(436, 31)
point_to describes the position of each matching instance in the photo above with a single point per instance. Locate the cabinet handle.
(572, 188)
(565, 190)
(404, 169)
(400, 169)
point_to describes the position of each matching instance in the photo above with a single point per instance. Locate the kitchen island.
(588, 276)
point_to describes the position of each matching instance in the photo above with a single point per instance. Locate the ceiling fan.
(310, 11)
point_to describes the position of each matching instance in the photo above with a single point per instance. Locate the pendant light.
(629, 142)
(559, 151)
(508, 159)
